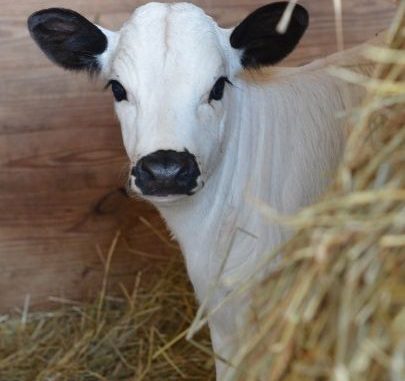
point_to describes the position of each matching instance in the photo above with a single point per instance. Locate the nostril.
(147, 169)
(143, 170)
(184, 171)
(188, 171)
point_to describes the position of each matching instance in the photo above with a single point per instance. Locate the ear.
(68, 39)
(259, 40)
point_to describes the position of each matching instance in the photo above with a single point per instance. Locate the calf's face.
(170, 69)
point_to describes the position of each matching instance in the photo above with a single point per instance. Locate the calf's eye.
(118, 90)
(217, 91)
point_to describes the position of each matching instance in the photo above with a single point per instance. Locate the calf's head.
(170, 69)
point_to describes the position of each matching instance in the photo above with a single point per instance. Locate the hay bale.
(334, 308)
(138, 336)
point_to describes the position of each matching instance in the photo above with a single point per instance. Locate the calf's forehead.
(164, 39)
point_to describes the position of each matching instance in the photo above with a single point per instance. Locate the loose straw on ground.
(139, 336)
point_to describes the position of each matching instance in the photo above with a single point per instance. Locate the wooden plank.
(61, 155)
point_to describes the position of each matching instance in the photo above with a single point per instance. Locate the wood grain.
(61, 155)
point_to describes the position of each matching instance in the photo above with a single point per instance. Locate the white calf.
(204, 138)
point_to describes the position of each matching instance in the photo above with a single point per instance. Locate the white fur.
(278, 141)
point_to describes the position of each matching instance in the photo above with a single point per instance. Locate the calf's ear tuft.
(259, 40)
(68, 38)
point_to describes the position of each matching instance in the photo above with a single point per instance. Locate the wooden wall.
(62, 160)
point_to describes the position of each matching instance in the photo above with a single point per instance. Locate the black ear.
(258, 38)
(67, 38)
